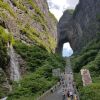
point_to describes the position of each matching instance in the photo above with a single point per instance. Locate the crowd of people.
(67, 83)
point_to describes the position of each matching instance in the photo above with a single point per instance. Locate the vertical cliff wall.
(27, 21)
(30, 21)
(81, 27)
(64, 30)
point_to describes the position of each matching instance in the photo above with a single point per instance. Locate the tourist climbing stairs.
(64, 87)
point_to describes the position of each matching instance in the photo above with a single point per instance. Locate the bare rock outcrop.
(29, 21)
(81, 27)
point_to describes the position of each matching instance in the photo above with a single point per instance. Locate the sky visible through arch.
(57, 7)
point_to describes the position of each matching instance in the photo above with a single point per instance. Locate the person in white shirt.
(71, 95)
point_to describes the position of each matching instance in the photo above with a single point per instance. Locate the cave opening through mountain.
(67, 51)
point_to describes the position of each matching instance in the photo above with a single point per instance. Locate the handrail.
(42, 97)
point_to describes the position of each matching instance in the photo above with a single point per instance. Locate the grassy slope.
(89, 58)
(39, 77)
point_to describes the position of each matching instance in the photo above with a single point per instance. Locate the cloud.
(72, 3)
(53, 6)
(57, 7)
(67, 50)
(67, 53)
(57, 13)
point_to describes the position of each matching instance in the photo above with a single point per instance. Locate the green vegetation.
(32, 33)
(53, 17)
(36, 56)
(38, 16)
(87, 55)
(6, 6)
(41, 21)
(3, 15)
(28, 30)
(89, 58)
(52, 42)
(39, 58)
(71, 11)
(19, 4)
(39, 76)
(35, 36)
(4, 38)
(3, 90)
(36, 8)
(98, 17)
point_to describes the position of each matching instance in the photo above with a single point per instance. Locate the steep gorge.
(31, 29)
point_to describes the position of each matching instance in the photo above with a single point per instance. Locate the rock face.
(64, 30)
(4, 84)
(14, 65)
(81, 27)
(30, 21)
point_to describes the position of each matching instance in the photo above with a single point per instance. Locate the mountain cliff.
(28, 36)
(80, 27)
(29, 21)
(82, 30)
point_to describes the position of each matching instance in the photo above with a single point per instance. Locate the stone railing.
(47, 93)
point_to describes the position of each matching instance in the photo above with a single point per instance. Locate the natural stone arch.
(64, 28)
(62, 38)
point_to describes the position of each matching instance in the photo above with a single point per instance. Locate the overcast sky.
(67, 50)
(58, 6)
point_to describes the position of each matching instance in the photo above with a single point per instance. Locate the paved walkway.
(57, 95)
(66, 84)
